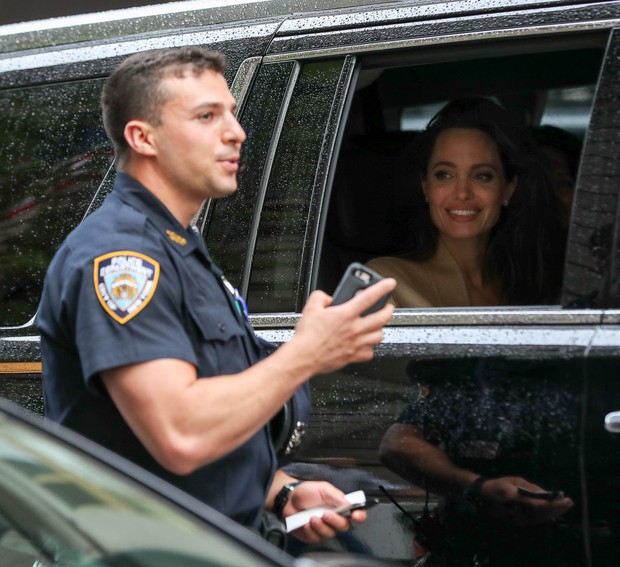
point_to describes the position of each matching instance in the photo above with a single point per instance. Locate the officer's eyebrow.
(210, 106)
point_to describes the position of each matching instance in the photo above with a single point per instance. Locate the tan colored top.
(437, 282)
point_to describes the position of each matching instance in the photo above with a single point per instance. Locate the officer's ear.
(139, 137)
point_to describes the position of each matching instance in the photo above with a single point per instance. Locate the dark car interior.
(371, 204)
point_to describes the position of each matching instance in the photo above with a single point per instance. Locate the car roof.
(168, 16)
(297, 16)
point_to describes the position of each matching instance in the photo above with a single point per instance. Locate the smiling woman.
(480, 240)
(465, 188)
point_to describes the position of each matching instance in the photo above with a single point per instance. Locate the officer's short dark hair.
(133, 90)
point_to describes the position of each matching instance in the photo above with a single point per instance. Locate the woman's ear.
(511, 188)
(139, 137)
(423, 188)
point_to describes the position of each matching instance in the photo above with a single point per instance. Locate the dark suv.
(330, 95)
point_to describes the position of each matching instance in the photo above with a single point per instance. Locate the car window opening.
(371, 211)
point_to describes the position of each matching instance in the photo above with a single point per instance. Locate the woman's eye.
(484, 176)
(441, 174)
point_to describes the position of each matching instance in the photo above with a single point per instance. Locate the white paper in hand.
(300, 519)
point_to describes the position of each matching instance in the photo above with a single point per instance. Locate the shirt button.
(221, 327)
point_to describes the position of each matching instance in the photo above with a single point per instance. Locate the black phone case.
(356, 278)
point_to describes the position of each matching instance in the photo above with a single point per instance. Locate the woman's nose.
(463, 188)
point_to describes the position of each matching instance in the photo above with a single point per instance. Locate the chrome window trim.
(607, 338)
(243, 79)
(458, 342)
(411, 12)
(24, 339)
(612, 317)
(527, 317)
(464, 333)
(401, 44)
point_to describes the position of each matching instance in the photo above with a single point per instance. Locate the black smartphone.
(356, 278)
(540, 494)
(346, 509)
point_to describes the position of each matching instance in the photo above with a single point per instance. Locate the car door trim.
(460, 317)
(463, 37)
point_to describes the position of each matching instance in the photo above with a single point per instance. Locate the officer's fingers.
(370, 339)
(317, 300)
(369, 296)
(363, 354)
(540, 512)
(552, 507)
(376, 320)
(307, 534)
(560, 506)
(359, 516)
(315, 531)
(330, 524)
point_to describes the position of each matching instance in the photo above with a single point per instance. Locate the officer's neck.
(183, 205)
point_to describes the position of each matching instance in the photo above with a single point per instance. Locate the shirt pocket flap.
(216, 322)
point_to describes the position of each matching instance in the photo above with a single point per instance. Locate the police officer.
(145, 349)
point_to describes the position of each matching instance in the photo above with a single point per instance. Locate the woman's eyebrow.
(453, 164)
(442, 162)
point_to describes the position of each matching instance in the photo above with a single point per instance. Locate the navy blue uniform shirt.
(129, 285)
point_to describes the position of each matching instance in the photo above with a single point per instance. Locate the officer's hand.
(501, 499)
(317, 494)
(339, 335)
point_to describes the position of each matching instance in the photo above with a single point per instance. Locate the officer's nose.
(233, 131)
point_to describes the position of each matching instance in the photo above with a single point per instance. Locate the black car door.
(594, 267)
(506, 389)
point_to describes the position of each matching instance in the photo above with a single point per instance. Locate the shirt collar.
(133, 193)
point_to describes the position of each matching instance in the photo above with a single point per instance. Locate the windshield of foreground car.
(58, 507)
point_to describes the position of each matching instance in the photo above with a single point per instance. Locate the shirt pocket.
(218, 339)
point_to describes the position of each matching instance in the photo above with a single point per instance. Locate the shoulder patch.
(125, 282)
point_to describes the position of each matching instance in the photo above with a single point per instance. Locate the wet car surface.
(330, 95)
(66, 501)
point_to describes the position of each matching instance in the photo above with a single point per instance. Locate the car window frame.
(506, 28)
(596, 204)
(533, 333)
